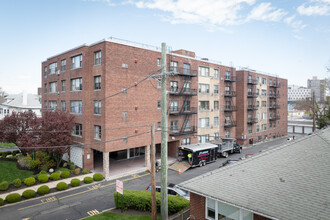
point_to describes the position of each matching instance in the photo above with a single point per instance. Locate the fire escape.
(273, 96)
(230, 108)
(252, 95)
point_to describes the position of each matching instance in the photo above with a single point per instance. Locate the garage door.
(298, 129)
(76, 156)
(308, 130)
(290, 129)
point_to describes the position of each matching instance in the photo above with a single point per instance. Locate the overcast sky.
(288, 38)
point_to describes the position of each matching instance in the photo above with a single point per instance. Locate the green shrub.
(4, 155)
(43, 178)
(28, 162)
(43, 172)
(98, 177)
(55, 176)
(72, 167)
(88, 180)
(13, 197)
(30, 181)
(141, 200)
(1, 202)
(29, 194)
(42, 190)
(65, 174)
(61, 186)
(75, 182)
(85, 171)
(4, 186)
(15, 152)
(77, 171)
(17, 183)
(12, 157)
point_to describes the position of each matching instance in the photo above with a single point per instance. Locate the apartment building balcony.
(230, 78)
(230, 124)
(252, 121)
(274, 85)
(274, 118)
(183, 92)
(230, 108)
(252, 82)
(185, 131)
(230, 94)
(252, 95)
(274, 106)
(183, 71)
(252, 107)
(183, 111)
(274, 96)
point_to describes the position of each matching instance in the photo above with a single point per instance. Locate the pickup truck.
(226, 146)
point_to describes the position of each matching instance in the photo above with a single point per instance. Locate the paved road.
(88, 200)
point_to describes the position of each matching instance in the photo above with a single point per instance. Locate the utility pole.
(313, 99)
(153, 174)
(164, 199)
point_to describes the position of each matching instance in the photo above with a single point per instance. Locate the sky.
(288, 38)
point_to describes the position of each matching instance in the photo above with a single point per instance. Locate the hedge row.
(6, 153)
(141, 200)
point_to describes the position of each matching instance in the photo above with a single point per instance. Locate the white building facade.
(296, 93)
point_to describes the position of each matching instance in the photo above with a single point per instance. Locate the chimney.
(24, 100)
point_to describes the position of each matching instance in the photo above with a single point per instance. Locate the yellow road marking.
(48, 200)
(93, 212)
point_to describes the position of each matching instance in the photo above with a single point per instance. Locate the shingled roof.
(291, 181)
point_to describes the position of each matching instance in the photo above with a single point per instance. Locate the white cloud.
(315, 7)
(265, 12)
(297, 25)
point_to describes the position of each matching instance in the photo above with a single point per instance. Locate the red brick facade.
(197, 206)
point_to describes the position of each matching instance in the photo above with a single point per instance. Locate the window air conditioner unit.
(211, 94)
(58, 72)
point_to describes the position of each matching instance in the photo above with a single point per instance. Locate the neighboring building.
(286, 182)
(296, 93)
(318, 87)
(201, 99)
(262, 106)
(20, 103)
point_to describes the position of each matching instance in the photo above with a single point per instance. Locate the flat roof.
(198, 147)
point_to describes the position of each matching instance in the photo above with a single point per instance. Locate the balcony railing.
(183, 71)
(230, 94)
(252, 95)
(274, 106)
(184, 131)
(252, 82)
(274, 117)
(230, 124)
(274, 84)
(183, 111)
(274, 96)
(230, 108)
(252, 120)
(230, 78)
(183, 92)
(252, 107)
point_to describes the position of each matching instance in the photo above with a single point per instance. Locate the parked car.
(172, 190)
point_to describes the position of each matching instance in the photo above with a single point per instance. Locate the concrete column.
(147, 156)
(106, 165)
(127, 153)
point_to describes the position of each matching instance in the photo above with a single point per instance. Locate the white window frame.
(76, 62)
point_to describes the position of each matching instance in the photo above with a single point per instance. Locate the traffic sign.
(119, 186)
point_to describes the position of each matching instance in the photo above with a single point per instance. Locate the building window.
(76, 62)
(158, 61)
(257, 79)
(158, 126)
(264, 127)
(174, 125)
(174, 66)
(124, 114)
(216, 136)
(257, 91)
(249, 91)
(159, 83)
(203, 105)
(258, 103)
(63, 85)
(186, 125)
(203, 138)
(97, 58)
(45, 71)
(97, 107)
(76, 84)
(203, 71)
(216, 73)
(264, 81)
(216, 121)
(76, 107)
(52, 105)
(264, 92)
(63, 105)
(264, 115)
(216, 105)
(63, 65)
(250, 130)
(186, 68)
(77, 130)
(264, 103)
(53, 87)
(203, 88)
(227, 75)
(228, 105)
(45, 105)
(52, 68)
(258, 128)
(159, 105)
(258, 116)
(186, 141)
(45, 88)
(203, 122)
(216, 89)
(97, 82)
(174, 86)
(186, 86)
(227, 134)
(174, 106)
(186, 106)
(97, 132)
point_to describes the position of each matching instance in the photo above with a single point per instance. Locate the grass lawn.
(2, 144)
(109, 215)
(9, 172)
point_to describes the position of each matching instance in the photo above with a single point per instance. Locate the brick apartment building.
(201, 99)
